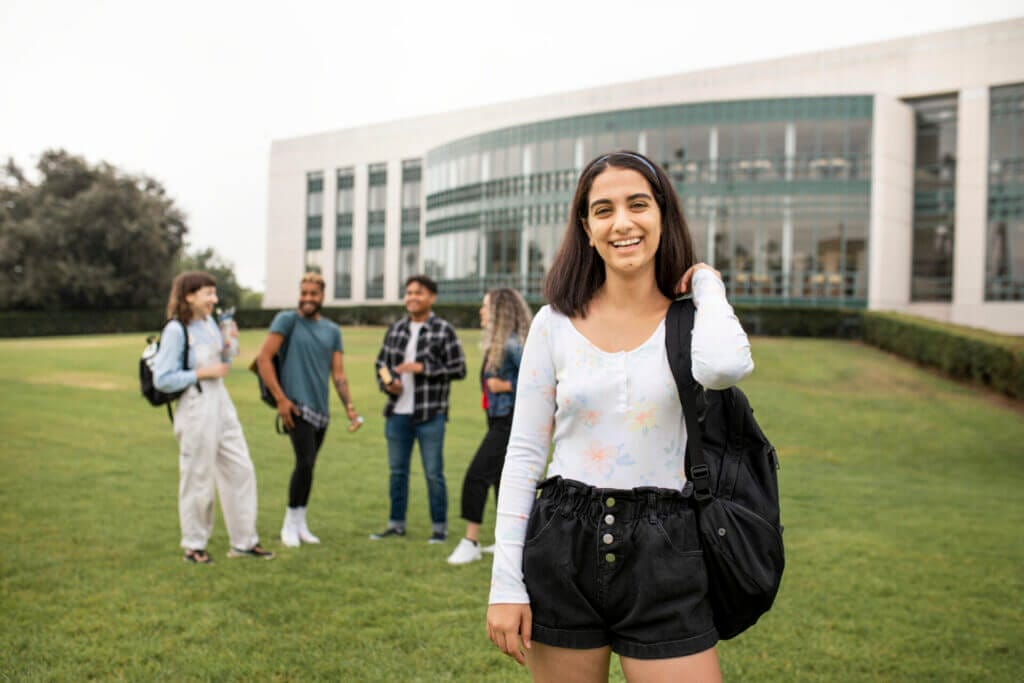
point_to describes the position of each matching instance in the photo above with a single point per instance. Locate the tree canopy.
(229, 292)
(85, 237)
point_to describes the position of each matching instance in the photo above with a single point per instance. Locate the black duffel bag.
(733, 470)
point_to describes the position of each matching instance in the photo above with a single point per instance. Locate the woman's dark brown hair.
(578, 271)
(183, 285)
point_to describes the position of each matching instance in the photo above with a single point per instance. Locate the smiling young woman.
(605, 557)
(213, 454)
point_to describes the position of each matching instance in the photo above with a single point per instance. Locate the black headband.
(650, 167)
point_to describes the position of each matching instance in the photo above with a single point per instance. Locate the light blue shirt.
(168, 374)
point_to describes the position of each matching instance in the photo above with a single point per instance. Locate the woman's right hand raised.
(213, 371)
(507, 623)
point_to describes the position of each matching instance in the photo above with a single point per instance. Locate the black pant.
(306, 440)
(485, 470)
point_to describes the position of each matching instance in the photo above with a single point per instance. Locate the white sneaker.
(465, 552)
(305, 535)
(289, 530)
(488, 549)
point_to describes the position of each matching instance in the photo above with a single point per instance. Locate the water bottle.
(229, 331)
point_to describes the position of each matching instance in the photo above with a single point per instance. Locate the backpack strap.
(678, 337)
(184, 353)
(282, 352)
(735, 406)
(184, 366)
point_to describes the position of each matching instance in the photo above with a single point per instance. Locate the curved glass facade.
(776, 193)
(1004, 266)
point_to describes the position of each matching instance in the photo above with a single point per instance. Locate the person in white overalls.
(213, 455)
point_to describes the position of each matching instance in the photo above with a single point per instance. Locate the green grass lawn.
(902, 500)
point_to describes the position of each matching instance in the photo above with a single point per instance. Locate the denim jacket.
(500, 405)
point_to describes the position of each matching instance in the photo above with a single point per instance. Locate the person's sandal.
(256, 551)
(197, 556)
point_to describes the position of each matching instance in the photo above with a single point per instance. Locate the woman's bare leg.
(699, 668)
(549, 664)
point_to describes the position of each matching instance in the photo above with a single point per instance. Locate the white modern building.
(888, 176)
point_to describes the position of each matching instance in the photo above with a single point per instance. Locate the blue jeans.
(401, 431)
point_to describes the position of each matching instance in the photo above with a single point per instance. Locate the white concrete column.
(361, 182)
(524, 255)
(971, 215)
(286, 233)
(892, 205)
(790, 150)
(423, 213)
(393, 230)
(712, 211)
(641, 142)
(713, 155)
(787, 244)
(760, 252)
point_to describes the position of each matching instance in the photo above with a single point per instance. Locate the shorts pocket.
(675, 592)
(542, 518)
(679, 532)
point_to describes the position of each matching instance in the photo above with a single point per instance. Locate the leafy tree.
(251, 298)
(85, 237)
(229, 292)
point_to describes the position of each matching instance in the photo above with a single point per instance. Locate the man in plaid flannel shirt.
(420, 357)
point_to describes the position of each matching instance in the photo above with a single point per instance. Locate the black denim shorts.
(617, 567)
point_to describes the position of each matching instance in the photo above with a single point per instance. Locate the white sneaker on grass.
(488, 549)
(305, 535)
(290, 529)
(465, 552)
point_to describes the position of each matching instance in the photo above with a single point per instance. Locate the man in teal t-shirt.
(311, 351)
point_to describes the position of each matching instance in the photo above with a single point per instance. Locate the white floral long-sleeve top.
(614, 418)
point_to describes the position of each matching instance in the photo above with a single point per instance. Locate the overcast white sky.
(192, 93)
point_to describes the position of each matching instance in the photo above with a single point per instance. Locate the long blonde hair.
(508, 315)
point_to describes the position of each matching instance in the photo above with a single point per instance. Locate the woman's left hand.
(509, 626)
(684, 282)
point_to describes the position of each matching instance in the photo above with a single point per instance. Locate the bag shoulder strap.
(678, 336)
(184, 356)
(184, 353)
(287, 339)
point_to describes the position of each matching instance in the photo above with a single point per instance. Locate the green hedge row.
(964, 353)
(46, 324)
(960, 352)
(459, 315)
(800, 321)
(770, 321)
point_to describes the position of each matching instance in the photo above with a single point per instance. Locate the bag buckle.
(701, 485)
